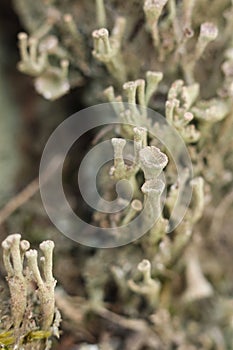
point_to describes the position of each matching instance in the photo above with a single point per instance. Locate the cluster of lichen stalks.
(33, 318)
(59, 40)
(169, 279)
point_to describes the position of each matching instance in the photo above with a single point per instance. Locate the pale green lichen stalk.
(149, 287)
(108, 49)
(13, 257)
(46, 287)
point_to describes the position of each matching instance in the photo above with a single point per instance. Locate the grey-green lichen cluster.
(163, 291)
(33, 318)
